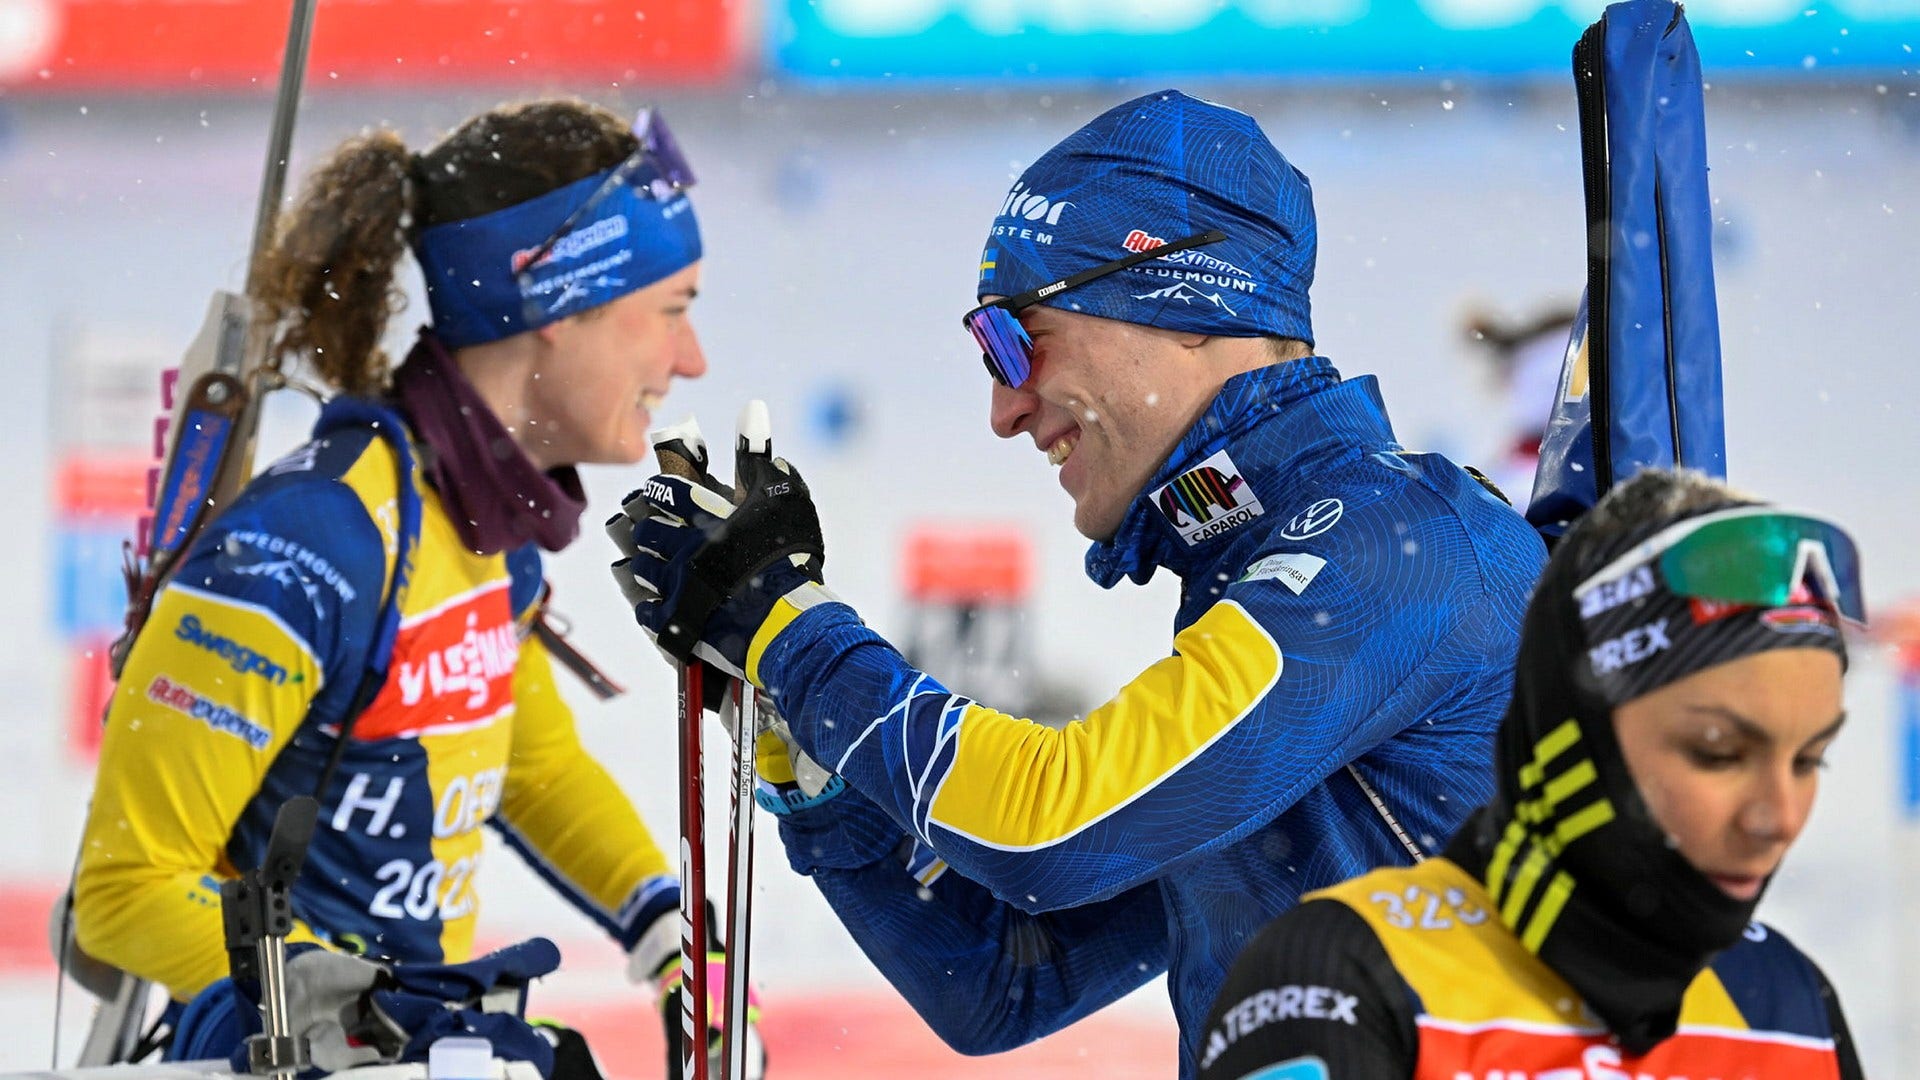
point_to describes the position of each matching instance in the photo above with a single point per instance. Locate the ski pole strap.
(573, 659)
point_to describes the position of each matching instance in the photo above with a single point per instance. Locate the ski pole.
(683, 453)
(746, 717)
(754, 438)
(693, 880)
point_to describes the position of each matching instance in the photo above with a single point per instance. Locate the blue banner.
(1289, 39)
(1907, 709)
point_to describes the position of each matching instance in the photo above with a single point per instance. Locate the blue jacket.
(1342, 656)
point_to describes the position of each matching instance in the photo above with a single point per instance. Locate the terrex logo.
(242, 659)
(1630, 648)
(1275, 1004)
(1209, 500)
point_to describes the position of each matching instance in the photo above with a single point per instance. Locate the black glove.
(703, 575)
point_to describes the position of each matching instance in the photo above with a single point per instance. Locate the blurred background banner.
(851, 156)
(219, 44)
(1076, 39)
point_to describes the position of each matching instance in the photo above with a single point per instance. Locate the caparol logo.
(1208, 500)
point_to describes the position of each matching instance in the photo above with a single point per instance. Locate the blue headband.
(1148, 172)
(627, 240)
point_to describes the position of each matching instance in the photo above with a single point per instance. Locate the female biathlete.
(356, 624)
(1679, 683)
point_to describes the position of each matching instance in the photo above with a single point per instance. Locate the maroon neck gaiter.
(497, 497)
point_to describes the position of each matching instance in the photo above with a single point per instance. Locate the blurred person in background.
(1526, 356)
(1679, 684)
(561, 255)
(1342, 651)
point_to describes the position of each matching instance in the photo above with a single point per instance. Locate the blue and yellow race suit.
(1342, 655)
(232, 700)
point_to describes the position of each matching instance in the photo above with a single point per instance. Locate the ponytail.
(327, 285)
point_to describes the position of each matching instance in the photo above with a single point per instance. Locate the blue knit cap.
(1154, 170)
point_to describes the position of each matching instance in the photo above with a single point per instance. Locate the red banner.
(236, 44)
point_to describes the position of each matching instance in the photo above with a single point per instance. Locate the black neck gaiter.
(1568, 851)
(497, 497)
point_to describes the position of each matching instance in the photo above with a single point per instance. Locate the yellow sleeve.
(213, 689)
(567, 815)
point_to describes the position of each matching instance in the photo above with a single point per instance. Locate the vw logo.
(1314, 520)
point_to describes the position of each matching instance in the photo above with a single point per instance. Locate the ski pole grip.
(681, 449)
(675, 461)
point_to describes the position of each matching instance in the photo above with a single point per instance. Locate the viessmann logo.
(1208, 500)
(452, 668)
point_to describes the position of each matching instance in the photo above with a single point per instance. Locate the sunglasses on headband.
(656, 169)
(1004, 343)
(1752, 555)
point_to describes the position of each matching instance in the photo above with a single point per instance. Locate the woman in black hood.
(1679, 681)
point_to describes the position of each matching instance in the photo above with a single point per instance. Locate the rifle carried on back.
(226, 372)
(207, 460)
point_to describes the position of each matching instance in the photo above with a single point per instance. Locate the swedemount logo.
(1187, 295)
(242, 659)
(303, 557)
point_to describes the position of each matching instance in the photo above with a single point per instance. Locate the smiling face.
(606, 371)
(1107, 402)
(1728, 759)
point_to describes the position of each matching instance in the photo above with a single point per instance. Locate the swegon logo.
(242, 659)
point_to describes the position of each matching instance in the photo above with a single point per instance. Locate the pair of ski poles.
(682, 452)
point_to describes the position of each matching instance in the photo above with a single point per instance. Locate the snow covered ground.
(842, 234)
